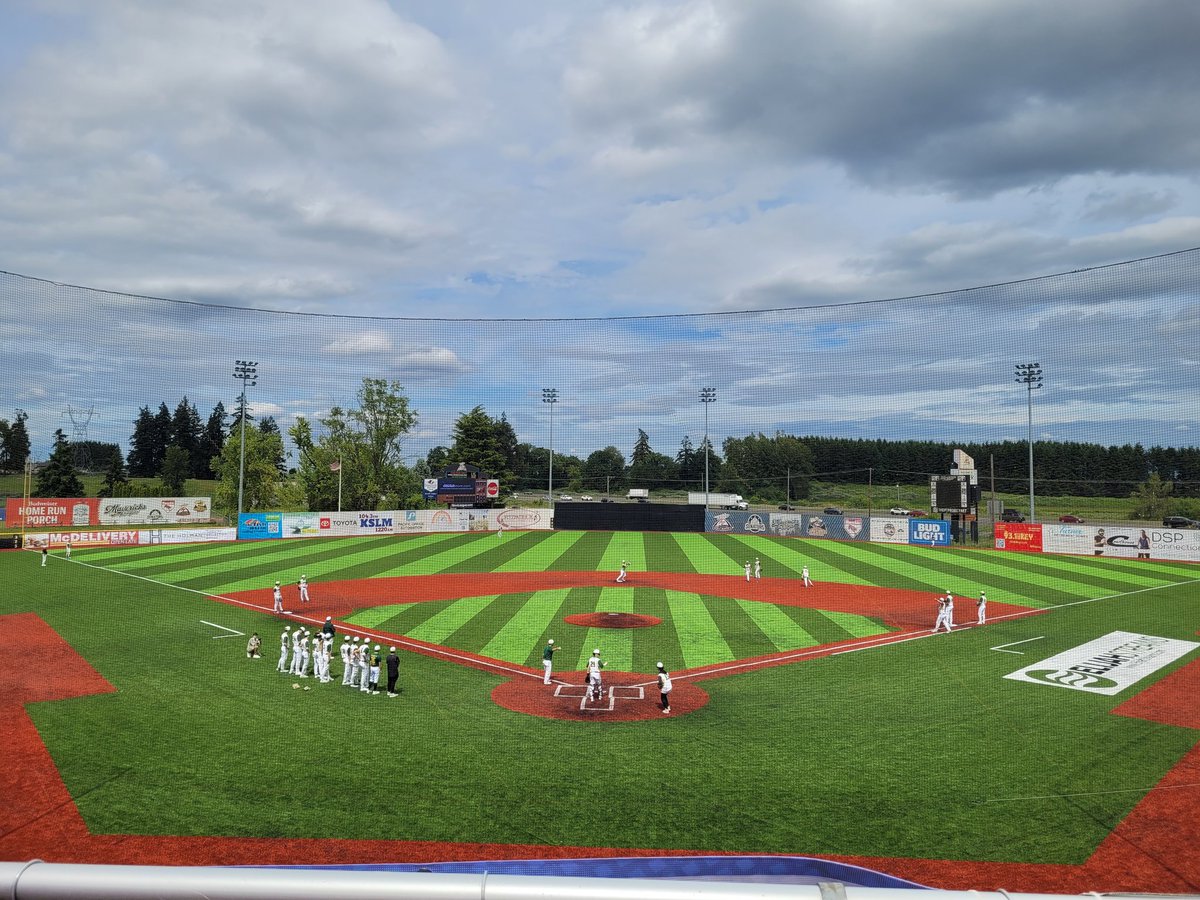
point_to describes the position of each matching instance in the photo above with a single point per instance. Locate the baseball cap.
(329, 618)
(596, 652)
(551, 641)
(376, 646)
(393, 650)
(660, 665)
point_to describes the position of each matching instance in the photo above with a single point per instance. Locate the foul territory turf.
(835, 725)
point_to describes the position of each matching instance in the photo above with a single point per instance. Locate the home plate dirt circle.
(628, 697)
(612, 620)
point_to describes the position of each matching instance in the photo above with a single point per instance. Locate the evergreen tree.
(161, 438)
(269, 426)
(14, 448)
(57, 478)
(187, 431)
(175, 470)
(686, 460)
(141, 445)
(482, 441)
(212, 441)
(116, 481)
(641, 448)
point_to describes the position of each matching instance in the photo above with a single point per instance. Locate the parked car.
(787, 507)
(1179, 522)
(832, 511)
(1011, 515)
(586, 497)
(1071, 520)
(565, 497)
(918, 513)
(901, 511)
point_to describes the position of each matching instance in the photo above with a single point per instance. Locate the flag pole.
(339, 485)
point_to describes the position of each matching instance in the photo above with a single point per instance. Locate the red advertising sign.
(52, 512)
(493, 487)
(1018, 536)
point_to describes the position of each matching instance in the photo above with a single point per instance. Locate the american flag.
(335, 466)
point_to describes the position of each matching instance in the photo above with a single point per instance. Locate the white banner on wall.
(186, 535)
(889, 530)
(1122, 541)
(411, 521)
(154, 510)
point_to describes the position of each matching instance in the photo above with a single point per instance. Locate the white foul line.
(1014, 643)
(1164, 787)
(223, 628)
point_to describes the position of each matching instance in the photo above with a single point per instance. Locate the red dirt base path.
(628, 697)
(612, 620)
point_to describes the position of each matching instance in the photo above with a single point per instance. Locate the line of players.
(945, 615)
(361, 664)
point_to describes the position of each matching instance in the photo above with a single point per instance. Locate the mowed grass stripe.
(406, 616)
(513, 642)
(657, 643)
(700, 638)
(377, 615)
(740, 630)
(339, 569)
(438, 628)
(1109, 576)
(663, 554)
(854, 625)
(501, 551)
(821, 557)
(585, 554)
(834, 561)
(540, 557)
(616, 644)
(475, 545)
(966, 577)
(778, 628)
(218, 557)
(705, 557)
(625, 545)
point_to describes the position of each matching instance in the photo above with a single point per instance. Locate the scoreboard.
(459, 489)
(950, 493)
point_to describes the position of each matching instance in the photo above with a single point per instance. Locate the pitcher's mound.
(612, 620)
(627, 697)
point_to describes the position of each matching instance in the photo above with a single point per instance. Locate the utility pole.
(246, 372)
(1030, 375)
(707, 396)
(550, 395)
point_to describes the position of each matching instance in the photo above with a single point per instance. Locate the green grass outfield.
(912, 749)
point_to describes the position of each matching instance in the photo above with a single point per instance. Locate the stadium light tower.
(707, 396)
(246, 372)
(1030, 375)
(550, 395)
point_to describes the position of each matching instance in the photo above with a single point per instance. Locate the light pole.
(1030, 375)
(550, 395)
(246, 372)
(707, 396)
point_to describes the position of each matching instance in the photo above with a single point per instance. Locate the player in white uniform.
(297, 637)
(278, 595)
(943, 616)
(374, 676)
(981, 605)
(68, 548)
(283, 649)
(305, 656)
(364, 667)
(804, 575)
(949, 610)
(624, 571)
(304, 589)
(344, 652)
(594, 683)
(664, 689)
(747, 570)
(351, 663)
(757, 569)
(548, 659)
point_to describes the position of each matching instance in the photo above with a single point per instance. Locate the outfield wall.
(628, 517)
(879, 529)
(1171, 544)
(276, 525)
(91, 511)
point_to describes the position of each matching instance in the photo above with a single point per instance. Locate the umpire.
(393, 671)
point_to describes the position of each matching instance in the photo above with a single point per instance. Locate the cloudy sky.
(364, 166)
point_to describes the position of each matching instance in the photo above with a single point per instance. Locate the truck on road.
(720, 501)
(639, 494)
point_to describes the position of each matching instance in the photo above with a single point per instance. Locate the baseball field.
(822, 721)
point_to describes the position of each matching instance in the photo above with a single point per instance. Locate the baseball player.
(942, 616)
(68, 548)
(620, 575)
(305, 656)
(278, 595)
(757, 569)
(364, 667)
(297, 637)
(949, 609)
(376, 660)
(594, 683)
(350, 676)
(344, 652)
(664, 689)
(747, 570)
(253, 646)
(304, 589)
(804, 575)
(283, 649)
(45, 556)
(548, 659)
(981, 605)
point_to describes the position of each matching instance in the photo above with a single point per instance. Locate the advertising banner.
(1018, 536)
(58, 513)
(522, 518)
(260, 526)
(889, 529)
(154, 510)
(929, 532)
(1124, 541)
(736, 522)
(1108, 664)
(79, 539)
(186, 535)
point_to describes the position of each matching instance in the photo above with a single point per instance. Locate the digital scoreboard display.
(950, 493)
